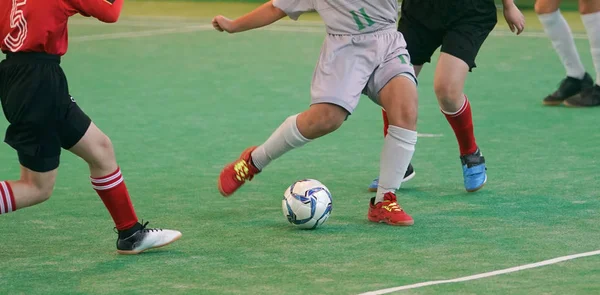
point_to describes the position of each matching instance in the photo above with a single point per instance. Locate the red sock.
(386, 123)
(7, 199)
(462, 124)
(114, 194)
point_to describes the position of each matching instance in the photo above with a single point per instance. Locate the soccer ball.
(307, 203)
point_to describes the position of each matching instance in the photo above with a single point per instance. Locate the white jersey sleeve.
(294, 8)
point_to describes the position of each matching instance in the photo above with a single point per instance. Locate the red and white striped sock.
(114, 194)
(7, 199)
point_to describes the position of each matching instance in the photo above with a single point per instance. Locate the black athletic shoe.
(408, 175)
(144, 238)
(568, 88)
(589, 97)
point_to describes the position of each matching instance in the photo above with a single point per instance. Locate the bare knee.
(99, 152)
(450, 96)
(105, 144)
(546, 6)
(404, 117)
(104, 154)
(330, 120)
(589, 6)
(45, 191)
(39, 190)
(400, 100)
(321, 119)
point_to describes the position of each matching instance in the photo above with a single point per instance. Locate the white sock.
(286, 138)
(558, 31)
(592, 26)
(398, 149)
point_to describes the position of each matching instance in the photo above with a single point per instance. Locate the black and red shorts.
(36, 102)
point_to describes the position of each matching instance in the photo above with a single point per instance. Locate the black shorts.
(43, 116)
(459, 26)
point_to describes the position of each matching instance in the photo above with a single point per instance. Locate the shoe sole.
(552, 103)
(404, 223)
(409, 177)
(479, 187)
(223, 193)
(221, 189)
(558, 102)
(567, 104)
(577, 106)
(123, 252)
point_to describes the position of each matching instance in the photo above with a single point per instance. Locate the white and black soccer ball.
(307, 203)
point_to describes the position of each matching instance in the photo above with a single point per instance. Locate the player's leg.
(448, 84)
(38, 169)
(422, 39)
(560, 35)
(590, 15)
(320, 119)
(455, 61)
(96, 149)
(26, 94)
(297, 130)
(393, 86)
(31, 189)
(450, 76)
(399, 98)
(410, 171)
(334, 97)
(386, 122)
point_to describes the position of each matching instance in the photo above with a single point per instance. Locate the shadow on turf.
(157, 252)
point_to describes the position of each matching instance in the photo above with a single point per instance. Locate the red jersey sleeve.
(107, 11)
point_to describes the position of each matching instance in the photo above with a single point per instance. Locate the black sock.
(128, 232)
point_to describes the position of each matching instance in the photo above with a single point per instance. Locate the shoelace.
(393, 206)
(144, 229)
(242, 171)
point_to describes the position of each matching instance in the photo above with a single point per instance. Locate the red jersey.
(41, 25)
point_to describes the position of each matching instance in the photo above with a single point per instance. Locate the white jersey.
(346, 17)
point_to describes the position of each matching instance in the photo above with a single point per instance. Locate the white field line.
(484, 275)
(429, 135)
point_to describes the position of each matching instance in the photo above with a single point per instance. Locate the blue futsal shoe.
(473, 166)
(410, 173)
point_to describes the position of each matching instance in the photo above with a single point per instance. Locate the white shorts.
(360, 64)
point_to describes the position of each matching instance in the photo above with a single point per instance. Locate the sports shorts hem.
(408, 75)
(466, 57)
(334, 101)
(38, 164)
(80, 123)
